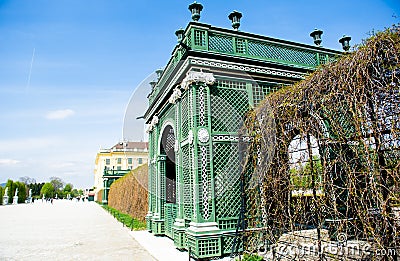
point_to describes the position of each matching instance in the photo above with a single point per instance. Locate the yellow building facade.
(123, 156)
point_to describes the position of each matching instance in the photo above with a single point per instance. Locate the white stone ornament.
(176, 94)
(190, 137)
(153, 123)
(257, 69)
(203, 135)
(196, 77)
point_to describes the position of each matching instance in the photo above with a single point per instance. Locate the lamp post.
(235, 18)
(105, 194)
(345, 41)
(195, 8)
(316, 35)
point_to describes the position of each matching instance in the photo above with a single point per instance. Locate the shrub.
(129, 193)
(252, 257)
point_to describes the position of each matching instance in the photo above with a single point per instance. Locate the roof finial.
(316, 35)
(235, 18)
(195, 8)
(345, 41)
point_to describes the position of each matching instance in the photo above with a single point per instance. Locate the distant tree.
(47, 190)
(68, 188)
(39, 188)
(32, 187)
(10, 186)
(36, 187)
(57, 183)
(1, 195)
(302, 175)
(21, 191)
(27, 180)
(74, 193)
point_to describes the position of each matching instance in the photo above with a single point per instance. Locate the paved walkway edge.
(161, 248)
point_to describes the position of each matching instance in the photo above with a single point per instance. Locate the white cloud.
(59, 114)
(8, 162)
(31, 145)
(61, 165)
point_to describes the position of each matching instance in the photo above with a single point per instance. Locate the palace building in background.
(115, 162)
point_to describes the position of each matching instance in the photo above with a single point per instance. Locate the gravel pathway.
(65, 230)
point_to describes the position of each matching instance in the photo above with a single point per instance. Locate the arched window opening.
(167, 149)
(304, 165)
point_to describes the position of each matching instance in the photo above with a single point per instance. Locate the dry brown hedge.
(129, 193)
(352, 109)
(100, 196)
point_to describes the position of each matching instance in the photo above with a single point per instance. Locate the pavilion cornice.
(202, 41)
(246, 69)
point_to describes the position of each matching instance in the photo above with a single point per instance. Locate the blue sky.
(68, 68)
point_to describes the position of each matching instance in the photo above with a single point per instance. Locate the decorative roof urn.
(316, 35)
(235, 18)
(345, 41)
(195, 8)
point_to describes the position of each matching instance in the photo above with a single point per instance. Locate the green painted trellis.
(214, 77)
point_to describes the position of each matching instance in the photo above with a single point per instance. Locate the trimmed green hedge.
(126, 219)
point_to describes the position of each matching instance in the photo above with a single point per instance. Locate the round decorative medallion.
(203, 135)
(190, 137)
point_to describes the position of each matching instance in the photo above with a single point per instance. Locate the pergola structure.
(196, 109)
(109, 176)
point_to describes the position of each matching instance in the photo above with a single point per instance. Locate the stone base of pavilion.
(161, 247)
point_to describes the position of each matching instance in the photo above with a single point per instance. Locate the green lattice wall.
(261, 90)
(206, 119)
(229, 102)
(221, 43)
(207, 173)
(187, 178)
(226, 173)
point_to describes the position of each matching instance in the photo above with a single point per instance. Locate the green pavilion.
(196, 109)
